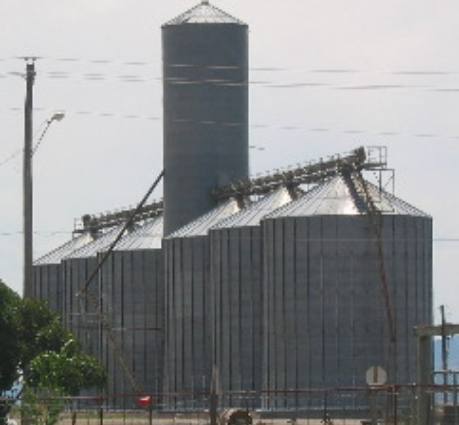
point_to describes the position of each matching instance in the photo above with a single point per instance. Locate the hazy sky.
(327, 76)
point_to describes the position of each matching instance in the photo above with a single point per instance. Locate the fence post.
(455, 397)
(101, 413)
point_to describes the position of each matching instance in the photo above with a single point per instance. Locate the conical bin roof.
(204, 13)
(338, 196)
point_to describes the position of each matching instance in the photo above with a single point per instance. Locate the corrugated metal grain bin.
(236, 266)
(205, 69)
(80, 313)
(48, 275)
(132, 296)
(188, 352)
(324, 313)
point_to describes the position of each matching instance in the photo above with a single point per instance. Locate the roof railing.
(372, 158)
(95, 223)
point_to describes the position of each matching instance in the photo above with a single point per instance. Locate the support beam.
(425, 366)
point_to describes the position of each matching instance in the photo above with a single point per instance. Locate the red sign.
(145, 401)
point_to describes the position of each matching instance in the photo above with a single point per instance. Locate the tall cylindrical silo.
(132, 295)
(324, 312)
(205, 71)
(236, 285)
(188, 349)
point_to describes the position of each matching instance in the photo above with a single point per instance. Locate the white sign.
(376, 375)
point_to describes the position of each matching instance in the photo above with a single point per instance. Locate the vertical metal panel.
(47, 285)
(236, 281)
(132, 285)
(188, 336)
(205, 68)
(80, 313)
(268, 309)
(323, 272)
(225, 316)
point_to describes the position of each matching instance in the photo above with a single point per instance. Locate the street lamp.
(29, 150)
(57, 116)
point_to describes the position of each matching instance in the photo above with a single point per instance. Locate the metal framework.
(370, 158)
(95, 223)
(424, 336)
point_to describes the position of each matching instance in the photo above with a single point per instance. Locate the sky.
(327, 77)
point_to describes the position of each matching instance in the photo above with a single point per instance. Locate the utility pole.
(27, 178)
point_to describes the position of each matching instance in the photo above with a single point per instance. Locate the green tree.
(55, 374)
(9, 352)
(33, 341)
(44, 407)
(9, 343)
(39, 330)
(67, 371)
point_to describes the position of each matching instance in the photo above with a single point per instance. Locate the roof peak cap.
(205, 13)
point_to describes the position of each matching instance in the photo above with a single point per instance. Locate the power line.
(59, 74)
(298, 128)
(145, 62)
(454, 239)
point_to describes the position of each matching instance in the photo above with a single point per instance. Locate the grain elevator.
(296, 280)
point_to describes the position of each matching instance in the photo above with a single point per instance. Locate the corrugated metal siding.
(188, 316)
(47, 285)
(205, 115)
(132, 288)
(324, 315)
(237, 303)
(48, 274)
(79, 314)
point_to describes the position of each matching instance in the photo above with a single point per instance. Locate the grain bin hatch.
(204, 13)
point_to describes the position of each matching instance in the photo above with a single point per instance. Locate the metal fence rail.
(390, 404)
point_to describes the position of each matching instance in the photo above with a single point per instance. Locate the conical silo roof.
(203, 224)
(342, 196)
(97, 245)
(58, 254)
(146, 236)
(204, 13)
(254, 213)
